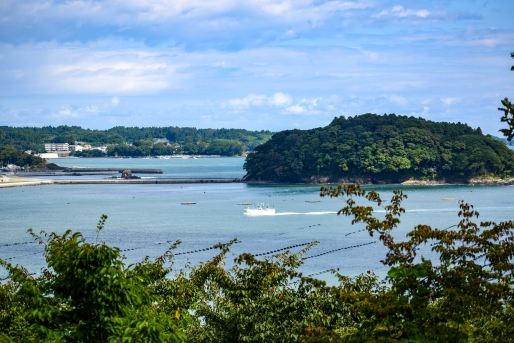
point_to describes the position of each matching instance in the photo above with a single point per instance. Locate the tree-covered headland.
(380, 148)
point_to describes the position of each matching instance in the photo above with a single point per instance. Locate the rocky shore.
(324, 180)
(33, 182)
(491, 182)
(429, 182)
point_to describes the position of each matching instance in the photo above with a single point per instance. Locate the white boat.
(259, 211)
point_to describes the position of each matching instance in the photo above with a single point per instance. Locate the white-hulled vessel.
(259, 211)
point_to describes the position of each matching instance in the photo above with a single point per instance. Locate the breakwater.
(141, 181)
(115, 182)
(111, 170)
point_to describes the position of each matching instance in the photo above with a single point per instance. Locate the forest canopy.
(10, 155)
(380, 148)
(187, 140)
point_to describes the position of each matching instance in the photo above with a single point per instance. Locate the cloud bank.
(257, 64)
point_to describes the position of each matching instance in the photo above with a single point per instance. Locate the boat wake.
(292, 214)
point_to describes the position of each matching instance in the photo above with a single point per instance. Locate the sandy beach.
(16, 181)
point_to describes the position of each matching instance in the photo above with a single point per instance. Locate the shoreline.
(412, 182)
(26, 183)
(39, 182)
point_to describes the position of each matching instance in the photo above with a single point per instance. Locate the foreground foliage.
(467, 294)
(87, 294)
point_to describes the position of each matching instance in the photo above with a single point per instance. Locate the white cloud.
(296, 109)
(304, 106)
(249, 100)
(115, 101)
(71, 112)
(278, 100)
(449, 101)
(400, 12)
(397, 99)
(214, 14)
(90, 69)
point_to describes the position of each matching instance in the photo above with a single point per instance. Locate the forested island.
(135, 141)
(380, 148)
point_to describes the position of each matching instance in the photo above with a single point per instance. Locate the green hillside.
(187, 140)
(388, 148)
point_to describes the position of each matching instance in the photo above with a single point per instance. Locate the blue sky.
(254, 64)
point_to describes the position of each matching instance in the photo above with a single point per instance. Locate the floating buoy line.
(286, 248)
(332, 270)
(12, 244)
(351, 233)
(11, 258)
(200, 250)
(331, 251)
(178, 253)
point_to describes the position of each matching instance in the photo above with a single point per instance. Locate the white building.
(76, 148)
(49, 155)
(101, 148)
(51, 147)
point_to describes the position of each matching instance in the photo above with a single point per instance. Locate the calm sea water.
(175, 168)
(146, 217)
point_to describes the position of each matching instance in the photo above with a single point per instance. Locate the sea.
(145, 219)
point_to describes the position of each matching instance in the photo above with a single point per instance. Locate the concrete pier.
(115, 182)
(117, 170)
(142, 181)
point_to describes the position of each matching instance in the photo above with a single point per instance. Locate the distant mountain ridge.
(380, 148)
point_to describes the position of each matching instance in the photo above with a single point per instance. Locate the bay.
(173, 168)
(147, 218)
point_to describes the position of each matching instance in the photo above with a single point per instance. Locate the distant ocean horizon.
(145, 219)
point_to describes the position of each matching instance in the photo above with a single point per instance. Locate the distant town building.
(76, 148)
(161, 140)
(51, 147)
(49, 155)
(101, 148)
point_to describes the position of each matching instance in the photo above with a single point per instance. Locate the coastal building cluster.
(56, 150)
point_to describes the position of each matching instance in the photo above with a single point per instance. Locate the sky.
(253, 64)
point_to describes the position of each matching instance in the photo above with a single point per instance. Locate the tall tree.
(508, 116)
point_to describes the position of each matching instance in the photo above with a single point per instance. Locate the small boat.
(259, 211)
